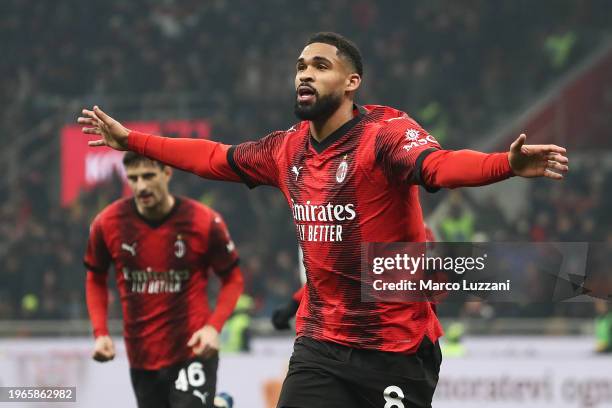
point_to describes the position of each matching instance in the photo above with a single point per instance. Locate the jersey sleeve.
(97, 256)
(222, 254)
(401, 146)
(205, 158)
(256, 162)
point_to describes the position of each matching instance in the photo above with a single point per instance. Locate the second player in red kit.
(349, 174)
(163, 249)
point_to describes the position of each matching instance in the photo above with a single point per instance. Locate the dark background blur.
(462, 69)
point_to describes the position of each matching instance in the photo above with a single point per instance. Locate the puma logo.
(129, 248)
(296, 171)
(201, 396)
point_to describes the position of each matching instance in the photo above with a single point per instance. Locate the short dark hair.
(346, 48)
(134, 159)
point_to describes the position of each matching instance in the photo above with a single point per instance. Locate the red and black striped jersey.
(359, 185)
(161, 270)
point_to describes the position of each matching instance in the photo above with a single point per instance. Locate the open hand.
(537, 160)
(113, 133)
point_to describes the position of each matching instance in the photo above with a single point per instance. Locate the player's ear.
(167, 171)
(352, 82)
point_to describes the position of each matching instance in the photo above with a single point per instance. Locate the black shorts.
(328, 375)
(184, 385)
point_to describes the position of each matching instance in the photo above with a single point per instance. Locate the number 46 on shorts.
(193, 375)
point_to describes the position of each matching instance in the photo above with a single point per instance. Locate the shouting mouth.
(305, 94)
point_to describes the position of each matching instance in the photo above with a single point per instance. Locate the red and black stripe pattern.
(162, 274)
(357, 186)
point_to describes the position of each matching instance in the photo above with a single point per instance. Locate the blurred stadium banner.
(84, 167)
(571, 114)
(495, 371)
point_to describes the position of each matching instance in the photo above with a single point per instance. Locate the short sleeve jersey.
(358, 185)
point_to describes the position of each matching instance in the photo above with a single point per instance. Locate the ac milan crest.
(179, 247)
(342, 170)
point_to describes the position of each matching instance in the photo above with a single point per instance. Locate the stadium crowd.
(459, 69)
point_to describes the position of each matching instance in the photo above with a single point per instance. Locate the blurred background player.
(162, 247)
(603, 326)
(236, 334)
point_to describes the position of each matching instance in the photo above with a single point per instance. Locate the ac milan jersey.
(358, 185)
(161, 270)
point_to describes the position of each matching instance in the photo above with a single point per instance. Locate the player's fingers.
(92, 115)
(558, 158)
(553, 165)
(556, 149)
(100, 356)
(546, 149)
(198, 349)
(96, 143)
(86, 121)
(518, 143)
(109, 351)
(552, 175)
(87, 113)
(92, 130)
(101, 115)
(193, 340)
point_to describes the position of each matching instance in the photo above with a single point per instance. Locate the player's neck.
(320, 130)
(159, 211)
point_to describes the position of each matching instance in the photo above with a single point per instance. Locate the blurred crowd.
(458, 67)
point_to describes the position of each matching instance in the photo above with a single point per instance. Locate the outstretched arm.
(463, 168)
(203, 157)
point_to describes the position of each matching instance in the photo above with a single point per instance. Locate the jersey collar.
(358, 111)
(161, 221)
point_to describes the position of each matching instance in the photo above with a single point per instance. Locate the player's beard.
(323, 108)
